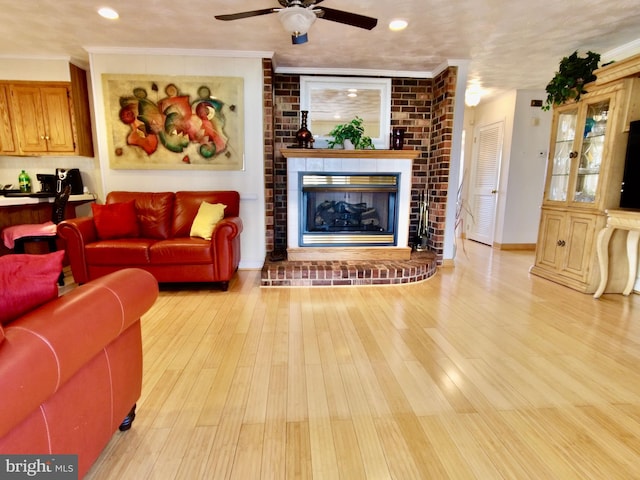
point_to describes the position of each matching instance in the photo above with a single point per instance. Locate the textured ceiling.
(510, 44)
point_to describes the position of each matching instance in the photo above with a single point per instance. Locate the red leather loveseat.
(71, 369)
(160, 241)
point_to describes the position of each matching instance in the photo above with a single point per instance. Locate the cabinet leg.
(632, 255)
(602, 249)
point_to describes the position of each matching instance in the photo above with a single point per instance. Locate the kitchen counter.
(20, 210)
(15, 201)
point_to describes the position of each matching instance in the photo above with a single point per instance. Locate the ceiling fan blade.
(347, 18)
(252, 13)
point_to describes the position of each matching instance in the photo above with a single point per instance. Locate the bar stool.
(17, 236)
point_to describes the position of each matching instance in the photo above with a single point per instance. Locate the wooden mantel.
(340, 153)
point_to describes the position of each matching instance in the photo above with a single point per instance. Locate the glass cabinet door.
(562, 155)
(591, 152)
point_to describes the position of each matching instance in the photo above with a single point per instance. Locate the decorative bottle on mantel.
(304, 136)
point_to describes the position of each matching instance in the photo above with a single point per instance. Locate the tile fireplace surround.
(348, 161)
(339, 265)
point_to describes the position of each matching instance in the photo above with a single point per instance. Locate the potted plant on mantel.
(569, 81)
(350, 132)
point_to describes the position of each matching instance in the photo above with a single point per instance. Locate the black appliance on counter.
(47, 182)
(71, 177)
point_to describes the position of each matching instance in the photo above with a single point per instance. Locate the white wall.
(249, 182)
(521, 180)
(97, 175)
(527, 167)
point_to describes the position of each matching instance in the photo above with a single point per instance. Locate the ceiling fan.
(297, 16)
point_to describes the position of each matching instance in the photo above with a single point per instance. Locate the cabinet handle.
(573, 154)
(561, 243)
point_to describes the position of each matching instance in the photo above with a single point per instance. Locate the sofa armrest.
(77, 233)
(43, 349)
(225, 242)
(228, 228)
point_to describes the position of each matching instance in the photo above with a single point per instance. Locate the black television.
(630, 191)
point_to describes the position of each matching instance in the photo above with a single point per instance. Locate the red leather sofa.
(163, 245)
(71, 369)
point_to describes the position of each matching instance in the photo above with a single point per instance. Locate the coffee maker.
(70, 177)
(47, 183)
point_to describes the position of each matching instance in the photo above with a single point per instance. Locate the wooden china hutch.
(584, 175)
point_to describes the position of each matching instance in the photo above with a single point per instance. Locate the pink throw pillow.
(27, 281)
(115, 220)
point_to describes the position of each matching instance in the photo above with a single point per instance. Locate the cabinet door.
(591, 150)
(579, 245)
(7, 139)
(549, 249)
(57, 118)
(561, 153)
(30, 125)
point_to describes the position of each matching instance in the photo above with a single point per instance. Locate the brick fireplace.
(423, 106)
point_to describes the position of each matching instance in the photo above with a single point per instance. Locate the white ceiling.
(510, 44)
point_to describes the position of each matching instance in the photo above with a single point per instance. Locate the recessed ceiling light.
(397, 25)
(109, 13)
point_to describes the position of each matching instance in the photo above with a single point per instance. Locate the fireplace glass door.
(348, 209)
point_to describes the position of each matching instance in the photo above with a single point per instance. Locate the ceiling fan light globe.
(296, 20)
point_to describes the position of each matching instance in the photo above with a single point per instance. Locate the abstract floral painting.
(160, 122)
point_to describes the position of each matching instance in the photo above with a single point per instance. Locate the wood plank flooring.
(481, 372)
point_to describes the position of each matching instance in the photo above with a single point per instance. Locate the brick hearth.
(420, 266)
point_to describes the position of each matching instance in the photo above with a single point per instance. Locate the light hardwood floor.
(482, 372)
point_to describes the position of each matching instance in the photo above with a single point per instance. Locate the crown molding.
(355, 72)
(65, 58)
(623, 51)
(180, 51)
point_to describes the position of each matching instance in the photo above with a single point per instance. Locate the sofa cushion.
(187, 205)
(27, 281)
(115, 220)
(154, 211)
(209, 214)
(184, 250)
(123, 251)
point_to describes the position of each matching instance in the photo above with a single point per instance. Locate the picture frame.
(174, 122)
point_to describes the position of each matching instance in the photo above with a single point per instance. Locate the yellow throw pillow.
(208, 215)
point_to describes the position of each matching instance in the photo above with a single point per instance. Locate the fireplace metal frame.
(352, 182)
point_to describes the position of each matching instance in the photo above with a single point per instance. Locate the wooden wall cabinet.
(46, 118)
(8, 144)
(584, 175)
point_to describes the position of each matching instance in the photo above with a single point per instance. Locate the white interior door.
(484, 183)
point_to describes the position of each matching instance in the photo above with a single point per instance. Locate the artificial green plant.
(569, 81)
(353, 131)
